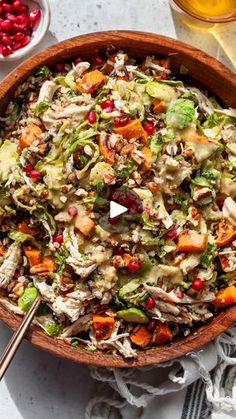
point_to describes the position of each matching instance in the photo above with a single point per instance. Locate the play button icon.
(116, 209)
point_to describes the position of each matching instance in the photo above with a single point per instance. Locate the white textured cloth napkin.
(209, 375)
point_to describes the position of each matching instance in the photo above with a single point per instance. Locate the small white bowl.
(38, 33)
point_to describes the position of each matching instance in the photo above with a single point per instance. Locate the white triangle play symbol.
(116, 209)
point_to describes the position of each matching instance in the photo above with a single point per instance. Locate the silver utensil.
(17, 338)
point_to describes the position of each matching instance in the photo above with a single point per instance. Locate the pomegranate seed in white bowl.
(23, 24)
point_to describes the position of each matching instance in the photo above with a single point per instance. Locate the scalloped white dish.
(38, 32)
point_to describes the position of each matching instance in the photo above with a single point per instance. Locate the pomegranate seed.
(197, 284)
(164, 76)
(152, 324)
(179, 293)
(24, 8)
(11, 17)
(22, 20)
(6, 40)
(17, 6)
(149, 127)
(92, 116)
(171, 234)
(6, 50)
(72, 211)
(34, 174)
(113, 220)
(6, 8)
(59, 67)
(28, 168)
(120, 121)
(220, 203)
(25, 41)
(133, 266)
(58, 238)
(107, 104)
(34, 17)
(150, 303)
(16, 45)
(78, 60)
(98, 60)
(6, 25)
(118, 251)
(18, 36)
(109, 109)
(0, 14)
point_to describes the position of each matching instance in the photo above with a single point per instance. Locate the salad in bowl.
(80, 135)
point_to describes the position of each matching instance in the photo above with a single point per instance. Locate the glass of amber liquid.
(207, 11)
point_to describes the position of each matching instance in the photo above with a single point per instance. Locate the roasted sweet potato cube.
(91, 81)
(30, 134)
(226, 232)
(103, 326)
(23, 227)
(192, 242)
(132, 130)
(47, 265)
(161, 334)
(225, 297)
(140, 336)
(33, 255)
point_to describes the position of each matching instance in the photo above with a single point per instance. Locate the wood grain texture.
(205, 71)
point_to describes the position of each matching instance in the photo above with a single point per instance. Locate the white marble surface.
(38, 385)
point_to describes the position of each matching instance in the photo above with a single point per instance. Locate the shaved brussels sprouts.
(180, 114)
(27, 299)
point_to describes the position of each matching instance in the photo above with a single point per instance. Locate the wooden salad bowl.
(204, 71)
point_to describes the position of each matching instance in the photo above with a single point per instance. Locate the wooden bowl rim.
(203, 334)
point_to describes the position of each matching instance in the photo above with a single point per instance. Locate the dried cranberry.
(197, 284)
(92, 116)
(150, 303)
(72, 211)
(149, 127)
(133, 266)
(58, 238)
(120, 121)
